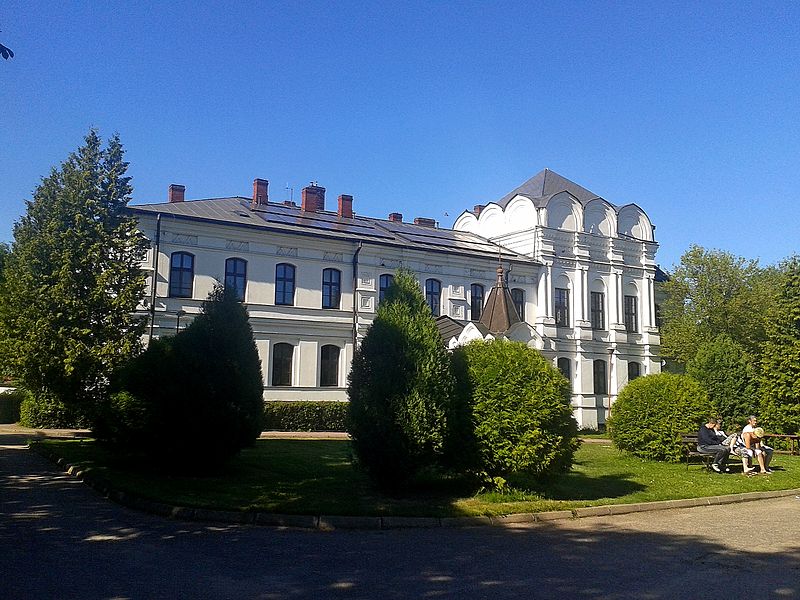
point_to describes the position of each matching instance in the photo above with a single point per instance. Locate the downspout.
(355, 298)
(154, 279)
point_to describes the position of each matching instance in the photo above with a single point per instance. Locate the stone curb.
(344, 522)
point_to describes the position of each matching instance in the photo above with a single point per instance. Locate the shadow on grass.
(578, 486)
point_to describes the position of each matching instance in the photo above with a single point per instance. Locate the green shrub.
(399, 387)
(652, 412)
(43, 411)
(519, 408)
(195, 399)
(726, 371)
(10, 402)
(305, 416)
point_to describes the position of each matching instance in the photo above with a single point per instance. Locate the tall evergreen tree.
(399, 388)
(780, 365)
(74, 278)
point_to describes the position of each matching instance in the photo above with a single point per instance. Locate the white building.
(580, 272)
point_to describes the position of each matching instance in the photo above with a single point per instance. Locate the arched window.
(634, 370)
(600, 380)
(329, 366)
(284, 284)
(476, 301)
(433, 295)
(282, 364)
(385, 282)
(597, 310)
(518, 297)
(181, 275)
(565, 366)
(236, 277)
(331, 288)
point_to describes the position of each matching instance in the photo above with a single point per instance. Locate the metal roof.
(290, 218)
(545, 184)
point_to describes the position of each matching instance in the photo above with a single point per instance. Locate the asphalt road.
(59, 539)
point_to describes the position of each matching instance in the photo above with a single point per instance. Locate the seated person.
(709, 443)
(737, 446)
(752, 436)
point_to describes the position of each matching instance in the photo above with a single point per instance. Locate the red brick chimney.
(346, 206)
(477, 209)
(313, 198)
(176, 192)
(424, 222)
(396, 217)
(260, 194)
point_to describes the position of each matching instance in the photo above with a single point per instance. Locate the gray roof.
(289, 218)
(448, 327)
(546, 184)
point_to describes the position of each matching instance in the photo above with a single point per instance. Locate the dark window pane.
(598, 310)
(329, 367)
(386, 281)
(476, 301)
(236, 277)
(518, 296)
(282, 364)
(433, 294)
(600, 380)
(562, 307)
(631, 319)
(181, 275)
(284, 284)
(565, 367)
(331, 288)
(634, 370)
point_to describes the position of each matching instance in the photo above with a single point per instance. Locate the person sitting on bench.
(709, 443)
(752, 436)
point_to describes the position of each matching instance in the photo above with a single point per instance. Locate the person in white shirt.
(752, 437)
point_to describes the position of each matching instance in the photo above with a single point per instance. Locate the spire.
(499, 314)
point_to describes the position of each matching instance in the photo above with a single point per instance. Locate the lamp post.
(178, 314)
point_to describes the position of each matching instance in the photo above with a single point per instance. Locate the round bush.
(652, 412)
(519, 409)
(43, 411)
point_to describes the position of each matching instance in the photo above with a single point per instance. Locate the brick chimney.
(396, 217)
(424, 222)
(260, 194)
(313, 198)
(176, 192)
(346, 206)
(477, 209)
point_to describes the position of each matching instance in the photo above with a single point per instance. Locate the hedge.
(325, 415)
(10, 402)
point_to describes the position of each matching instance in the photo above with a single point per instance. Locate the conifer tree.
(73, 279)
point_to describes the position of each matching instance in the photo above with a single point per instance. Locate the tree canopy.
(73, 278)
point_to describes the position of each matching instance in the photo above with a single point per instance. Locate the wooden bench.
(689, 448)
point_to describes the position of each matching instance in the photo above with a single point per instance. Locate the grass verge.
(316, 477)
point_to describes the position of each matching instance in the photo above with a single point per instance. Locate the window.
(565, 367)
(598, 310)
(600, 381)
(518, 297)
(433, 295)
(562, 307)
(634, 370)
(181, 275)
(385, 283)
(236, 277)
(631, 324)
(331, 288)
(476, 301)
(284, 284)
(282, 364)
(329, 366)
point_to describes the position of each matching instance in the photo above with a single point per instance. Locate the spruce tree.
(400, 387)
(73, 280)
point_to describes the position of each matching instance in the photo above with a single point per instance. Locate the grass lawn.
(316, 477)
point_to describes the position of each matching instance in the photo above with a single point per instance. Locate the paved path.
(58, 539)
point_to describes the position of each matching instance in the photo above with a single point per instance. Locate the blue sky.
(425, 108)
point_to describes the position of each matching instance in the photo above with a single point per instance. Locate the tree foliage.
(713, 292)
(729, 376)
(519, 410)
(73, 279)
(780, 367)
(399, 387)
(195, 399)
(652, 412)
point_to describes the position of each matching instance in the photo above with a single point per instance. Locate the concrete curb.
(345, 522)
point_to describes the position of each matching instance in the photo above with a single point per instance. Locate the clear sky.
(691, 110)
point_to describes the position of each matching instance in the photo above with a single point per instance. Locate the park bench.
(689, 448)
